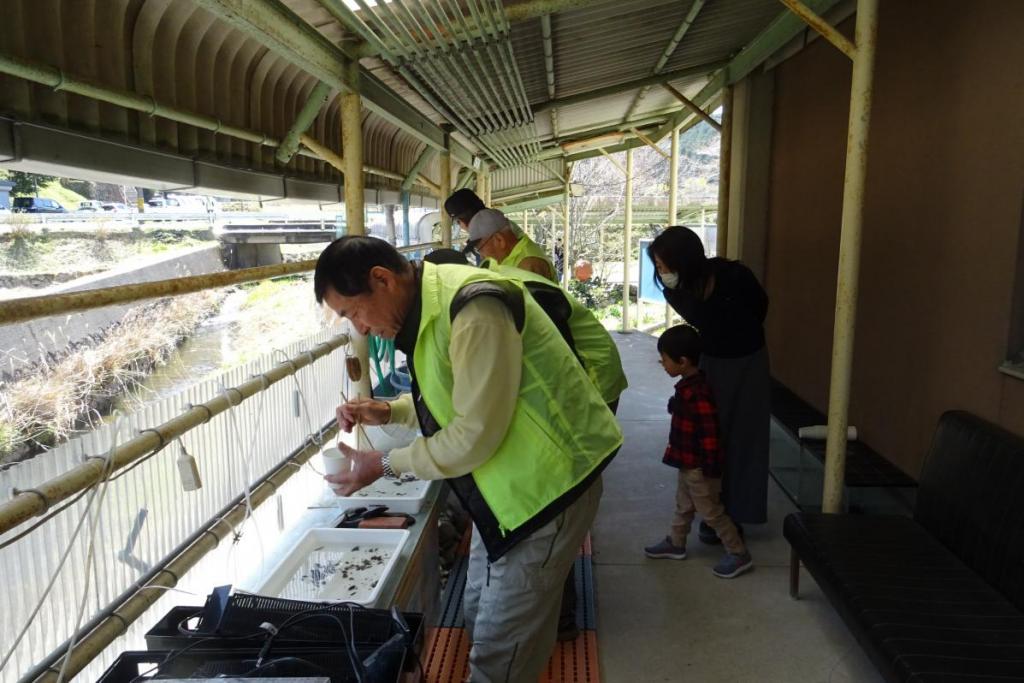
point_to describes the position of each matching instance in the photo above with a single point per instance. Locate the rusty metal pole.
(673, 197)
(481, 182)
(865, 37)
(445, 160)
(722, 242)
(627, 240)
(352, 148)
(566, 235)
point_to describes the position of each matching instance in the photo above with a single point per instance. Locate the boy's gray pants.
(511, 606)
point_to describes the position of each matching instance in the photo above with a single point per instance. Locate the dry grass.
(46, 407)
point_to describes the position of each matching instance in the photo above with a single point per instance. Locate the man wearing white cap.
(492, 235)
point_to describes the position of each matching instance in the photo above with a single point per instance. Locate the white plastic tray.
(336, 565)
(405, 495)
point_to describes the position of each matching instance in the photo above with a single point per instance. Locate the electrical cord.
(247, 466)
(91, 553)
(93, 490)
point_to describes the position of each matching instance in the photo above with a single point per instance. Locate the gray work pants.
(511, 606)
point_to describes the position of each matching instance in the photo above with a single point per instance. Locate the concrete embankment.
(25, 344)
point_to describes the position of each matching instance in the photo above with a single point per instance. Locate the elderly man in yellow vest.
(493, 236)
(509, 418)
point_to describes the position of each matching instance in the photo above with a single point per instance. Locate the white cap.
(485, 223)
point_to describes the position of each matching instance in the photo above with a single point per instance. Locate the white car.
(90, 206)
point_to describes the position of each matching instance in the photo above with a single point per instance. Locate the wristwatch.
(385, 464)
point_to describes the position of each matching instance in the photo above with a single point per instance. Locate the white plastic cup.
(335, 462)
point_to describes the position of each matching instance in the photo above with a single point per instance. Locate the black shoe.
(708, 536)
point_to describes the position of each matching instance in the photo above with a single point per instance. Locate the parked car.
(90, 205)
(116, 207)
(37, 205)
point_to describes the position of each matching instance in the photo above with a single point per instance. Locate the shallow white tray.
(336, 565)
(407, 494)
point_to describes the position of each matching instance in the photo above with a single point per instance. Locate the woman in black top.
(727, 305)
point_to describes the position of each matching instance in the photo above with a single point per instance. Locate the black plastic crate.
(151, 665)
(213, 629)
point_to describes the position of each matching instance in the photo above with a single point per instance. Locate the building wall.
(942, 221)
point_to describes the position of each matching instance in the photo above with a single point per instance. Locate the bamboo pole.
(116, 623)
(17, 310)
(28, 308)
(25, 505)
(627, 240)
(866, 35)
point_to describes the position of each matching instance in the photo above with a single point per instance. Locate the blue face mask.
(670, 280)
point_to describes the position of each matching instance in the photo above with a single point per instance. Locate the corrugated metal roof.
(181, 55)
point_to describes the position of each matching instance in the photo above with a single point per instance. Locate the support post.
(405, 218)
(627, 240)
(600, 250)
(673, 197)
(865, 36)
(526, 223)
(446, 190)
(389, 224)
(352, 148)
(481, 183)
(724, 164)
(566, 237)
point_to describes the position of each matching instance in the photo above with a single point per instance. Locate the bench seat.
(937, 598)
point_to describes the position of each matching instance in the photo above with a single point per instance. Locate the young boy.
(694, 449)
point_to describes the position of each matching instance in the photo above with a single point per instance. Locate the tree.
(28, 184)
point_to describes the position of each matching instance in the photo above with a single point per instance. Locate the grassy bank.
(27, 251)
(46, 407)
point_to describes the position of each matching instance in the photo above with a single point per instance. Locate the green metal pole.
(290, 145)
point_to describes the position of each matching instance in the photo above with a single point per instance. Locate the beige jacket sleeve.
(486, 353)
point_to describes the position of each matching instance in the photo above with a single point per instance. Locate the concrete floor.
(665, 620)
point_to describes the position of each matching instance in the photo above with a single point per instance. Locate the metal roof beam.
(693, 107)
(422, 160)
(279, 29)
(557, 197)
(290, 145)
(609, 90)
(827, 30)
(784, 28)
(687, 22)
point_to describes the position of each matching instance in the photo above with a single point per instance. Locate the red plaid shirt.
(693, 441)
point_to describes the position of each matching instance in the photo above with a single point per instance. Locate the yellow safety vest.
(595, 346)
(561, 429)
(526, 248)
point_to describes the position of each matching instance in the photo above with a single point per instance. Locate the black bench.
(939, 597)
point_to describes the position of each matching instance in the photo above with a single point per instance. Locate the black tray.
(244, 614)
(138, 666)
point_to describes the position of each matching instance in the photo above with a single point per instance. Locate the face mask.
(670, 280)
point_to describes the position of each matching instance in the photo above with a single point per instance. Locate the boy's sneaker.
(665, 550)
(732, 566)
